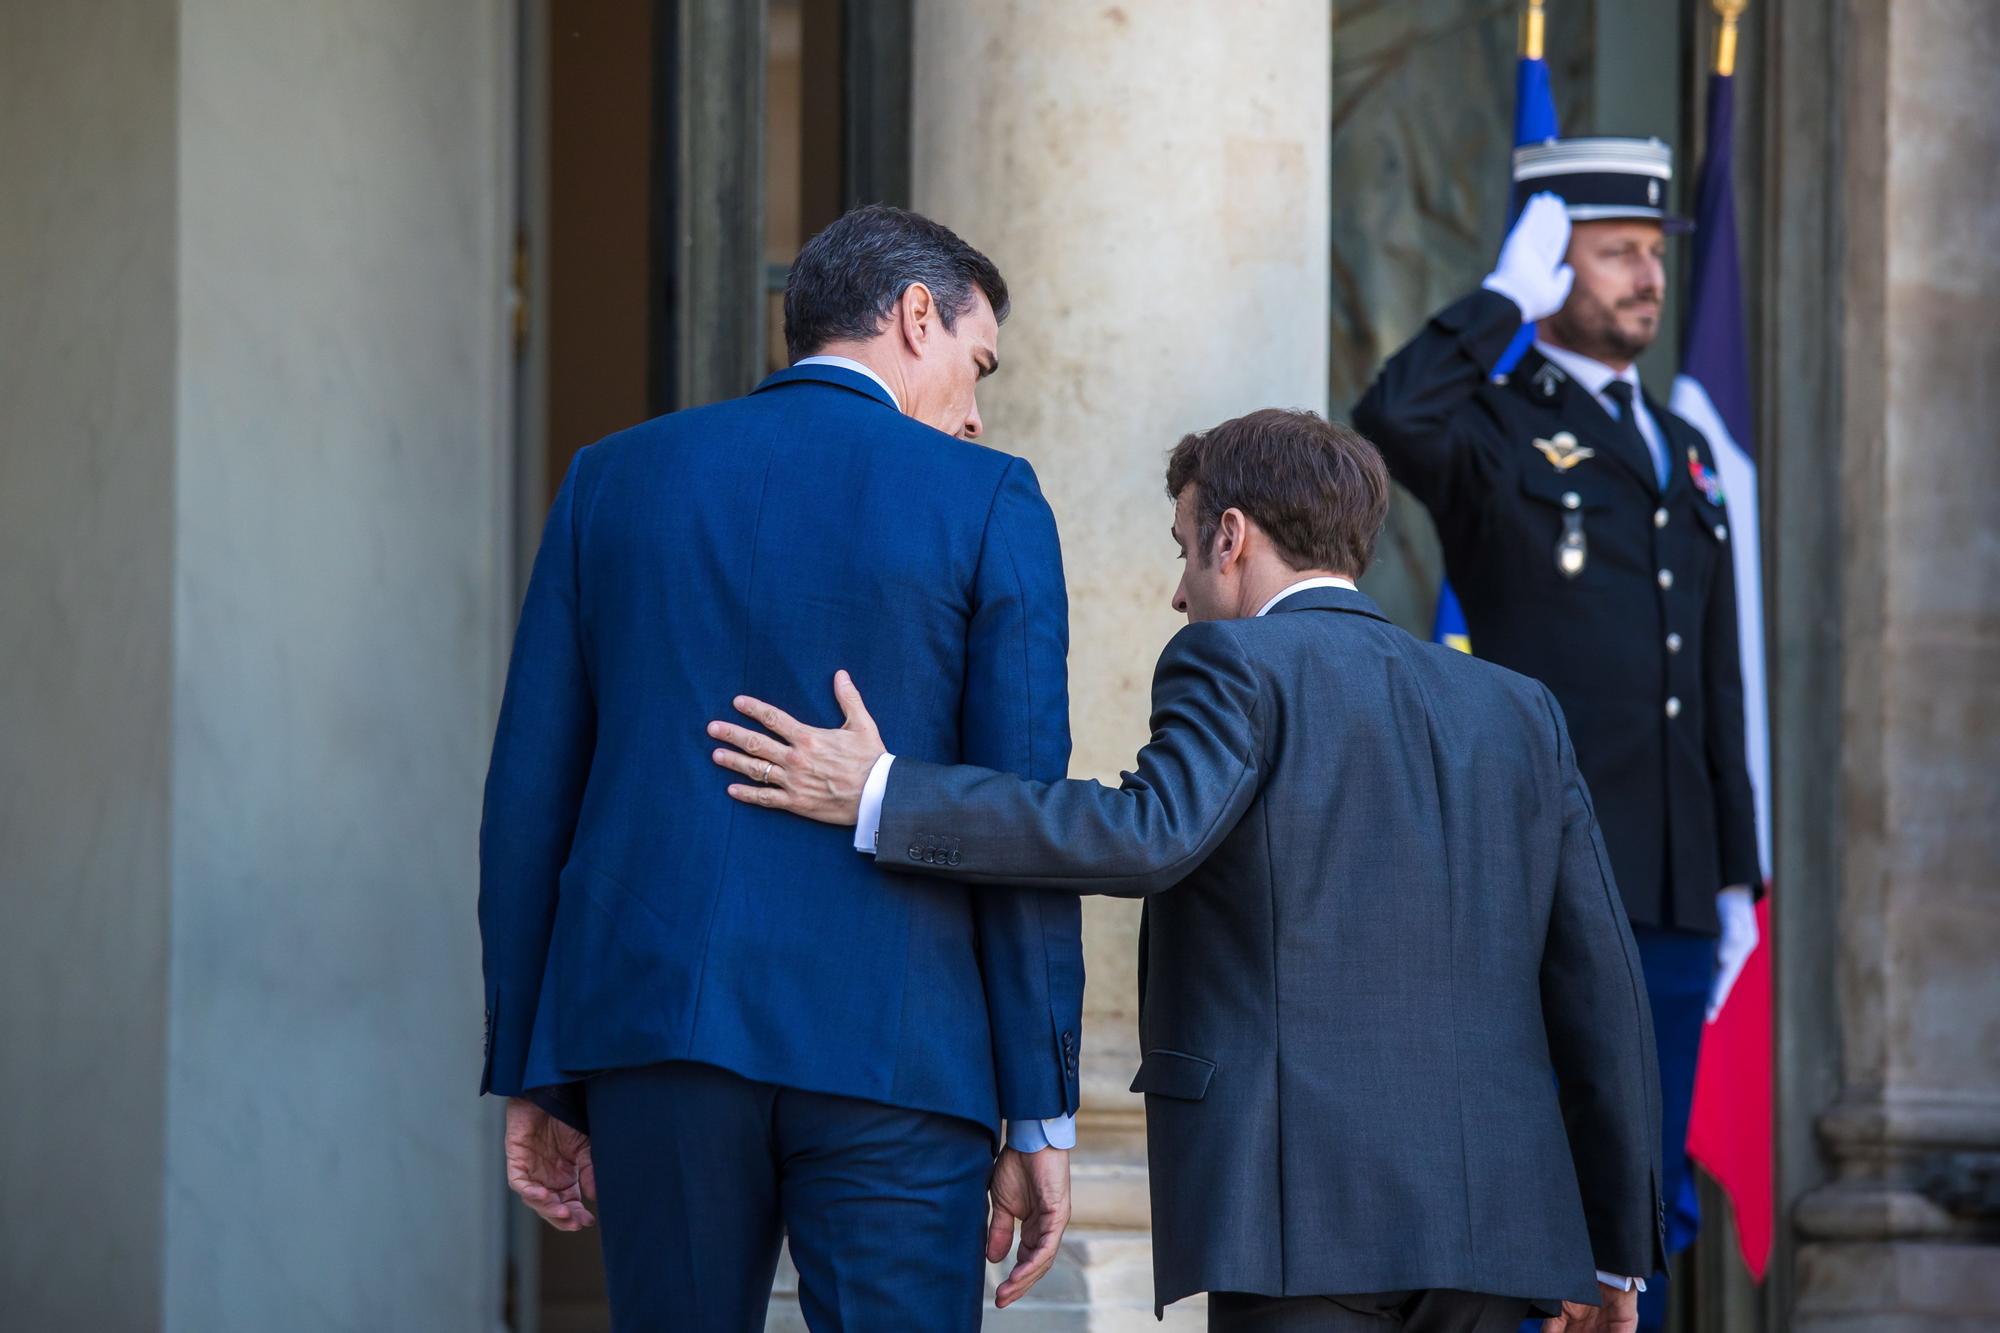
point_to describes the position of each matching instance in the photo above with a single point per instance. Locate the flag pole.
(1725, 39)
(1534, 24)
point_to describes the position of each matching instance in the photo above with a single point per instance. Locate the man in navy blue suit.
(719, 1025)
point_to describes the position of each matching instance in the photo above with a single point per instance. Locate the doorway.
(673, 155)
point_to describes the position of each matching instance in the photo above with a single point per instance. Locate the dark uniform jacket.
(1640, 644)
(1396, 1034)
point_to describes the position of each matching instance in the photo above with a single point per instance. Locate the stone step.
(1108, 1170)
(1110, 1196)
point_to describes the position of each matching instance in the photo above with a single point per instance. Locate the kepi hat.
(1601, 179)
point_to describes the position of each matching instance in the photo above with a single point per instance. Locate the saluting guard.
(1587, 536)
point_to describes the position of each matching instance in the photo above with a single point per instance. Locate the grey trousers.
(1381, 1312)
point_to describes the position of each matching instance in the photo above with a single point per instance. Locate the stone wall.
(87, 365)
(256, 577)
(1890, 1036)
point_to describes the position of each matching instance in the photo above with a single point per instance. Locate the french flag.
(1729, 1130)
(1534, 122)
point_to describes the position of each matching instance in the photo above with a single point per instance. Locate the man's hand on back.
(808, 771)
(1031, 1189)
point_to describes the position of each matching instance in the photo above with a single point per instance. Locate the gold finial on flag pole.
(1725, 39)
(1532, 27)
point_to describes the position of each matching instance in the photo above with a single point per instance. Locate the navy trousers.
(700, 1172)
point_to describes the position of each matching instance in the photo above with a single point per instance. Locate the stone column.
(1152, 179)
(87, 98)
(255, 472)
(1903, 1233)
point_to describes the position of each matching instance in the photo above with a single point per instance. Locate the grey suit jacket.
(1395, 1031)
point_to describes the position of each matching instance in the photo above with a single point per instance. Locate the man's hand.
(1033, 1190)
(1533, 271)
(1739, 940)
(548, 1165)
(805, 770)
(1618, 1314)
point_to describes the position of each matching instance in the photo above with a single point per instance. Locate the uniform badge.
(1572, 551)
(1704, 478)
(1563, 452)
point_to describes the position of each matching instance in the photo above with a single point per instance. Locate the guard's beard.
(1596, 334)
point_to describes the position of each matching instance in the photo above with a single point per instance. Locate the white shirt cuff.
(1616, 1283)
(1035, 1135)
(868, 820)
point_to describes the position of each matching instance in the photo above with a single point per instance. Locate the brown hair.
(1317, 489)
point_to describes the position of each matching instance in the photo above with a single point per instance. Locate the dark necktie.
(1620, 392)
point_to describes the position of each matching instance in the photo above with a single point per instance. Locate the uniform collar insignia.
(1563, 452)
(1547, 377)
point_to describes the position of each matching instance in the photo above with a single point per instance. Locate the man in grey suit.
(1399, 1066)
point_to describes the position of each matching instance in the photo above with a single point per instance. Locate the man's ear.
(1231, 530)
(913, 313)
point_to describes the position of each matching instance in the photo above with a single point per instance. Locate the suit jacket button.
(916, 855)
(951, 860)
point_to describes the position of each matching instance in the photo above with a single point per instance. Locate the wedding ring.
(765, 776)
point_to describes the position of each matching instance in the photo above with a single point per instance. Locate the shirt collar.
(1592, 375)
(846, 363)
(1323, 581)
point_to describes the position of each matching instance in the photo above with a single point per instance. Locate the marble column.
(1153, 180)
(1903, 1232)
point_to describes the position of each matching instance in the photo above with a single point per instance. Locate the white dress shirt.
(1594, 376)
(1323, 581)
(848, 363)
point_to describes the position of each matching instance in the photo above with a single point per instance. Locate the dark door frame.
(708, 177)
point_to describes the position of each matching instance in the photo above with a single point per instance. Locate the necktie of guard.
(1620, 392)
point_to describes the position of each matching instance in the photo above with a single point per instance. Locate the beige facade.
(1898, 1230)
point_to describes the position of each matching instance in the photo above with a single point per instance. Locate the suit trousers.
(701, 1172)
(1436, 1311)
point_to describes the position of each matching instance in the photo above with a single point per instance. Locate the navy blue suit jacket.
(629, 911)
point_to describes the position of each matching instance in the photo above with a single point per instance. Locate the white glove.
(1531, 272)
(1739, 941)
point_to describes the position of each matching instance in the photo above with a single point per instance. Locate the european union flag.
(1534, 122)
